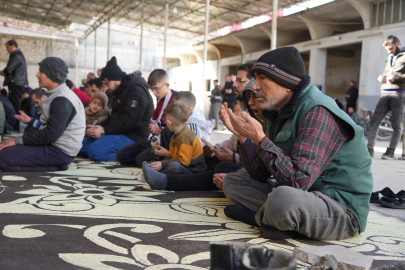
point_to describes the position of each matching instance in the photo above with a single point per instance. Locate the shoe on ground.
(371, 152)
(389, 154)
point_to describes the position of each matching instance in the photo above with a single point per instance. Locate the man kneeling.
(309, 173)
(60, 135)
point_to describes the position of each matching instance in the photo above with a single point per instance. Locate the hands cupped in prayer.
(242, 124)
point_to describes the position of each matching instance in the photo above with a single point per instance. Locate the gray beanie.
(55, 69)
(250, 85)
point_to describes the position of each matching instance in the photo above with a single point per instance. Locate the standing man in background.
(228, 92)
(216, 98)
(15, 74)
(351, 97)
(392, 96)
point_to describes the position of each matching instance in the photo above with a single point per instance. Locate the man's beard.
(238, 97)
(269, 104)
(397, 51)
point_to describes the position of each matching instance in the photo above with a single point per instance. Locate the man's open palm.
(22, 117)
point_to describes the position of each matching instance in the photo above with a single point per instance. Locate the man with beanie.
(302, 179)
(132, 109)
(58, 139)
(15, 76)
(392, 97)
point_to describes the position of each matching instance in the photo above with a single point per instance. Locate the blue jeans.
(105, 148)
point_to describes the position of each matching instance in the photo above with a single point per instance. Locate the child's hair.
(186, 97)
(100, 96)
(157, 76)
(177, 112)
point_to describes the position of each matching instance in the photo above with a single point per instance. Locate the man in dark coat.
(132, 109)
(351, 96)
(15, 76)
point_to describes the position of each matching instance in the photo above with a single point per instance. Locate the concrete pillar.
(95, 52)
(109, 42)
(274, 25)
(207, 20)
(317, 67)
(85, 58)
(76, 60)
(165, 38)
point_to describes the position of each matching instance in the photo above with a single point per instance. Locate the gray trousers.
(214, 112)
(312, 214)
(388, 102)
(175, 167)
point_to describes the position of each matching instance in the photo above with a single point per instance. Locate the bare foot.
(143, 179)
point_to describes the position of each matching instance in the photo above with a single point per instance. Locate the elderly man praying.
(309, 173)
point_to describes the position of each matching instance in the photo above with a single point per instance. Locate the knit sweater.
(186, 149)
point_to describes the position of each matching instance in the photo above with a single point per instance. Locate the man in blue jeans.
(392, 97)
(132, 109)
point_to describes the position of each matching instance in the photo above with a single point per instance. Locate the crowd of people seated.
(287, 167)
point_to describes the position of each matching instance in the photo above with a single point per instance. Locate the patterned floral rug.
(101, 216)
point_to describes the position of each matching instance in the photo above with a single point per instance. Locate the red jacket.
(84, 98)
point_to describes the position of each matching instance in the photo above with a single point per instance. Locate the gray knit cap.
(250, 84)
(55, 69)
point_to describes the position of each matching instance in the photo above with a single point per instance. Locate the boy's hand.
(157, 166)
(154, 128)
(227, 155)
(161, 151)
(219, 180)
(207, 148)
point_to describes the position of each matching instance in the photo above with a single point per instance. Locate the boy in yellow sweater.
(185, 154)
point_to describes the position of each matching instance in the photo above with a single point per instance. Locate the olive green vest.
(347, 179)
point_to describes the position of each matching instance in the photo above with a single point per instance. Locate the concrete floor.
(386, 173)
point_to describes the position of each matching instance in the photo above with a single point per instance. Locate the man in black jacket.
(15, 76)
(132, 109)
(228, 92)
(351, 97)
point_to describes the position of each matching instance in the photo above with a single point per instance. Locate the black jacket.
(16, 70)
(351, 101)
(132, 109)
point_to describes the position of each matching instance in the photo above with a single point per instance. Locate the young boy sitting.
(185, 155)
(97, 111)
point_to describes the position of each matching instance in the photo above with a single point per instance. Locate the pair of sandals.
(389, 198)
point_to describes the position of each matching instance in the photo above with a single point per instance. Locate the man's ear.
(168, 121)
(190, 109)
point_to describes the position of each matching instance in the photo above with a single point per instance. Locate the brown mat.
(101, 216)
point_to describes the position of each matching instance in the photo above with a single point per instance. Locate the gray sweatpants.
(312, 214)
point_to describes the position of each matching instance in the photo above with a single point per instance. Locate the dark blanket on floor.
(102, 216)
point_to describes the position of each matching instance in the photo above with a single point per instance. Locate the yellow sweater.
(185, 148)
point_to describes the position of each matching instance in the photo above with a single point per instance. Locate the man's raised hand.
(225, 118)
(247, 126)
(22, 117)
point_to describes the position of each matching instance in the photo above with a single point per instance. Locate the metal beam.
(108, 15)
